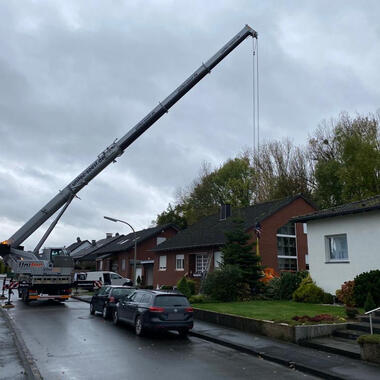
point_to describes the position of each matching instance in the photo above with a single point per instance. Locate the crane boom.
(118, 147)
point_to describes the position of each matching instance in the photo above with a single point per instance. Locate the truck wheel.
(92, 309)
(139, 326)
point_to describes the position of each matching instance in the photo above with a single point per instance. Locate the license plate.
(175, 316)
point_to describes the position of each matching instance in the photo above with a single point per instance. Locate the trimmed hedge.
(367, 282)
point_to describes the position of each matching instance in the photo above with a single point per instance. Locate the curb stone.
(31, 369)
(272, 358)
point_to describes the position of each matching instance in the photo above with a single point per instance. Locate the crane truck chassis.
(50, 272)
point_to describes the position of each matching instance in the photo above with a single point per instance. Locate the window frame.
(180, 258)
(205, 257)
(218, 263)
(289, 226)
(161, 267)
(328, 250)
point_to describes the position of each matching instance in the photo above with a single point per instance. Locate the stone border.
(27, 360)
(281, 331)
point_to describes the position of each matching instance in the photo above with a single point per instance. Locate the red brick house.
(197, 249)
(118, 256)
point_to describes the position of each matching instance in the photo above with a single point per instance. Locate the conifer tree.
(238, 252)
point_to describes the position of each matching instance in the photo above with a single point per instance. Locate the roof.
(74, 246)
(366, 205)
(126, 242)
(210, 231)
(89, 253)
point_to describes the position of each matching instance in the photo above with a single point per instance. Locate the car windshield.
(171, 301)
(121, 292)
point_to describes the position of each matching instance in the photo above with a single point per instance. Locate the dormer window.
(160, 239)
(225, 211)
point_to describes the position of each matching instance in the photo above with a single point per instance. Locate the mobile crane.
(49, 273)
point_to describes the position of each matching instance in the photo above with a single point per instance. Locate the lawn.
(279, 311)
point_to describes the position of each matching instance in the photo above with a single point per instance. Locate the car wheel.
(105, 312)
(183, 333)
(92, 309)
(115, 317)
(139, 326)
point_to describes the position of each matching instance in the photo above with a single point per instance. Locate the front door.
(148, 269)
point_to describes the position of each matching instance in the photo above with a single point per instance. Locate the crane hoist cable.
(255, 97)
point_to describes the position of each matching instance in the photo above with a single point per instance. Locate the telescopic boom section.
(117, 148)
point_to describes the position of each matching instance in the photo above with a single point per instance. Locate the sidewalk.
(11, 364)
(318, 363)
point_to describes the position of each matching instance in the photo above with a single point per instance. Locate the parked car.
(86, 280)
(155, 310)
(106, 299)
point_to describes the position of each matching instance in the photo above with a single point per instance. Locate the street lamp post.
(134, 238)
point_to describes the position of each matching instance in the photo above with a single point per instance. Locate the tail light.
(156, 309)
(111, 299)
(189, 310)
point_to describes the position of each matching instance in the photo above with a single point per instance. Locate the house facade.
(119, 255)
(343, 242)
(197, 249)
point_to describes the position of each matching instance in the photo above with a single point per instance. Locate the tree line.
(340, 163)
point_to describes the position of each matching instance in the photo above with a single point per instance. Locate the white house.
(343, 242)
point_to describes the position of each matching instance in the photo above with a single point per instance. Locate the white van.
(87, 279)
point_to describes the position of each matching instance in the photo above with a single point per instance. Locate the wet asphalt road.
(66, 342)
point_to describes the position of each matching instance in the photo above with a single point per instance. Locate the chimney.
(225, 211)
(93, 243)
(117, 234)
(108, 235)
(78, 239)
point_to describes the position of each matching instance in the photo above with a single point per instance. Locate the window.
(171, 301)
(115, 276)
(287, 229)
(101, 265)
(163, 262)
(218, 258)
(147, 299)
(304, 228)
(287, 247)
(160, 239)
(201, 263)
(180, 262)
(123, 264)
(336, 248)
(287, 264)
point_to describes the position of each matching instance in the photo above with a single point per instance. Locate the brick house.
(193, 251)
(118, 256)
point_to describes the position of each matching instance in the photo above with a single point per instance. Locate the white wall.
(363, 241)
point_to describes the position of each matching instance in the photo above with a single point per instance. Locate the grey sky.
(76, 75)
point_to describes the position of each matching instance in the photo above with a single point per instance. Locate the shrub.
(192, 286)
(272, 289)
(183, 287)
(369, 303)
(374, 339)
(289, 283)
(166, 287)
(199, 298)
(308, 292)
(328, 298)
(317, 318)
(224, 284)
(367, 282)
(346, 293)
(351, 312)
(244, 292)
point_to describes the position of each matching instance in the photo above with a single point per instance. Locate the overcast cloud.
(76, 75)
